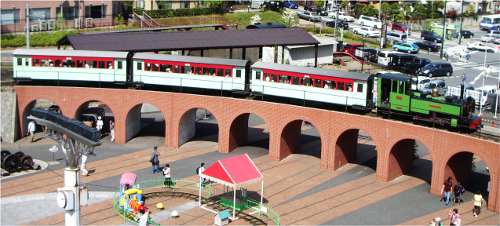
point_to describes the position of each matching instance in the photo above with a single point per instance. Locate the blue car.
(405, 47)
(290, 5)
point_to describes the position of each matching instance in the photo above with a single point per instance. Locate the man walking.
(99, 124)
(31, 130)
(83, 168)
(155, 160)
(458, 191)
(446, 191)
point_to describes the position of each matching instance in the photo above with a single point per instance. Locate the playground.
(225, 189)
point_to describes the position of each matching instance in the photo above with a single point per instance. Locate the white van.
(396, 36)
(369, 21)
(384, 58)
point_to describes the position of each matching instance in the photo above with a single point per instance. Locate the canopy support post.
(199, 192)
(234, 203)
(261, 192)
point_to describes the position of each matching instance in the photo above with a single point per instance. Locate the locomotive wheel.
(26, 162)
(5, 154)
(10, 163)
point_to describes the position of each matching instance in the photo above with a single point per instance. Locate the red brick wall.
(441, 144)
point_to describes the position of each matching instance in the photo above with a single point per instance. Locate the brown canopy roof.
(190, 40)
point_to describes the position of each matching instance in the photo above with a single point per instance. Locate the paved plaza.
(296, 188)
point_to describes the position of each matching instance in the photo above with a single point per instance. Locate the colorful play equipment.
(131, 199)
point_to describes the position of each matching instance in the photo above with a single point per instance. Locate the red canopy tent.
(234, 172)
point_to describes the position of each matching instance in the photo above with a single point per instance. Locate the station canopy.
(233, 171)
(189, 40)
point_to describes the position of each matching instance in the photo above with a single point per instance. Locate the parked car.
(310, 16)
(290, 5)
(465, 34)
(384, 57)
(405, 63)
(394, 36)
(310, 7)
(493, 37)
(366, 53)
(418, 82)
(340, 23)
(343, 16)
(430, 36)
(399, 27)
(407, 47)
(369, 21)
(436, 69)
(479, 46)
(438, 84)
(426, 45)
(367, 31)
(423, 61)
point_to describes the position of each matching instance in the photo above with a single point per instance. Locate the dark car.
(426, 45)
(436, 69)
(367, 53)
(340, 23)
(431, 36)
(290, 5)
(423, 61)
(465, 34)
(405, 63)
(311, 8)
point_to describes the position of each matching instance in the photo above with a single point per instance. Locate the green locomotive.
(395, 96)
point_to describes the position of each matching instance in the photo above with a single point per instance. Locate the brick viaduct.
(451, 153)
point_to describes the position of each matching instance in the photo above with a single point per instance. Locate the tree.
(290, 17)
(319, 4)
(419, 12)
(367, 10)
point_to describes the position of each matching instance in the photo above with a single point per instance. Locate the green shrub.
(37, 39)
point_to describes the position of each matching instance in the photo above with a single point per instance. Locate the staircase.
(145, 20)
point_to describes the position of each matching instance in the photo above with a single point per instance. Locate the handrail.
(147, 16)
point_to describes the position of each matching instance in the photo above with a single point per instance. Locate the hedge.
(37, 39)
(162, 13)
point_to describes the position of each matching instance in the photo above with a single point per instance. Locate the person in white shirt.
(166, 174)
(143, 220)
(85, 172)
(31, 130)
(99, 124)
(112, 130)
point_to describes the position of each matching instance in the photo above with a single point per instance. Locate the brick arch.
(133, 114)
(458, 165)
(289, 135)
(186, 128)
(238, 129)
(28, 104)
(400, 157)
(347, 137)
(81, 105)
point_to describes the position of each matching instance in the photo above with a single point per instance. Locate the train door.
(400, 95)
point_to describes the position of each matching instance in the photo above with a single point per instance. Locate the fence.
(53, 24)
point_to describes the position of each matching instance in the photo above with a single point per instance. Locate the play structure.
(220, 189)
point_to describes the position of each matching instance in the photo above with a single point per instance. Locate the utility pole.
(444, 30)
(382, 24)
(336, 18)
(461, 23)
(498, 94)
(27, 17)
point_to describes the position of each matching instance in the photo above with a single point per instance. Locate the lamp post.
(27, 17)
(444, 31)
(461, 23)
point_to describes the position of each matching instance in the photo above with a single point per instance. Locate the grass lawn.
(243, 18)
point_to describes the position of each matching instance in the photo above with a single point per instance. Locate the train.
(390, 93)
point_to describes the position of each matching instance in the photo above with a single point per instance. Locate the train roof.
(394, 76)
(313, 71)
(191, 59)
(82, 53)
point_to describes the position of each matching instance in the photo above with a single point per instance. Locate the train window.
(119, 65)
(36, 62)
(267, 77)
(139, 66)
(401, 87)
(19, 61)
(238, 73)
(327, 85)
(394, 86)
(26, 62)
(101, 64)
(334, 85)
(211, 71)
(220, 72)
(306, 81)
(193, 70)
(257, 75)
(296, 80)
(348, 87)
(340, 86)
(275, 78)
(360, 88)
(198, 70)
(317, 83)
(155, 67)
(407, 88)
(187, 69)
(163, 67)
(228, 73)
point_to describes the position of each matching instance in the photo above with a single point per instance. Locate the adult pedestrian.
(155, 160)
(166, 173)
(99, 124)
(446, 191)
(112, 130)
(478, 202)
(458, 191)
(83, 168)
(436, 222)
(31, 130)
